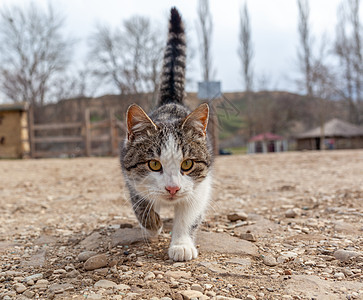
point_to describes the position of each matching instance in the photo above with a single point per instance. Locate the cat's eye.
(154, 165)
(187, 165)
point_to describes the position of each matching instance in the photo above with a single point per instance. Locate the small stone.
(83, 256)
(165, 298)
(34, 277)
(292, 213)
(210, 294)
(42, 284)
(208, 286)
(305, 230)
(30, 282)
(96, 262)
(29, 294)
(269, 260)
(122, 287)
(59, 271)
(138, 263)
(58, 288)
(190, 294)
(287, 272)
(282, 259)
(233, 217)
(344, 255)
(178, 274)
(248, 237)
(20, 288)
(105, 284)
(250, 297)
(339, 275)
(197, 287)
(149, 276)
(310, 263)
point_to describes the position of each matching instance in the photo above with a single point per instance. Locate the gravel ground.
(280, 226)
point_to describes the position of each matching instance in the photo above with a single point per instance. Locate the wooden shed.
(267, 142)
(338, 134)
(14, 137)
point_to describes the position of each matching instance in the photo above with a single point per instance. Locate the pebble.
(310, 263)
(269, 260)
(190, 294)
(59, 271)
(233, 217)
(292, 213)
(34, 277)
(122, 287)
(96, 262)
(197, 287)
(344, 255)
(29, 294)
(250, 297)
(138, 263)
(165, 298)
(178, 274)
(42, 284)
(106, 284)
(83, 256)
(208, 286)
(20, 288)
(149, 276)
(339, 275)
(248, 237)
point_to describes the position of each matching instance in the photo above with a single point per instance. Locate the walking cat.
(166, 158)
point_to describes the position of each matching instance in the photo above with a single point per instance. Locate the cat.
(166, 157)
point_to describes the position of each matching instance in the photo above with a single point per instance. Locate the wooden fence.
(85, 137)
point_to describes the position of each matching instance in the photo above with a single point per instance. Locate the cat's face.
(166, 161)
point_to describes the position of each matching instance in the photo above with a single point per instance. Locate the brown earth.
(299, 235)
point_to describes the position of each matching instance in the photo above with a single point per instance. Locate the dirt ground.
(280, 226)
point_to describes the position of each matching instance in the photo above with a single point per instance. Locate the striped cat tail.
(173, 72)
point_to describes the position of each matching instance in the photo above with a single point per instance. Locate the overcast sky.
(274, 31)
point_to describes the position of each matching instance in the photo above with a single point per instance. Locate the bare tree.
(33, 52)
(305, 48)
(130, 57)
(245, 53)
(205, 31)
(349, 51)
(245, 50)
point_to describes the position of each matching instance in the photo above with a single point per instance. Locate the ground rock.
(58, 288)
(345, 255)
(190, 294)
(126, 236)
(224, 243)
(96, 262)
(237, 216)
(20, 288)
(269, 260)
(178, 274)
(83, 256)
(106, 284)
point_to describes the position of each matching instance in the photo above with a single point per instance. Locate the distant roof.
(334, 127)
(267, 136)
(22, 106)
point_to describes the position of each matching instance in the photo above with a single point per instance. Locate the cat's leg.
(187, 218)
(148, 218)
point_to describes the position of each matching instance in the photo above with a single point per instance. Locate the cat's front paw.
(183, 252)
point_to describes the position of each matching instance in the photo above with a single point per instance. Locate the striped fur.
(172, 79)
(170, 135)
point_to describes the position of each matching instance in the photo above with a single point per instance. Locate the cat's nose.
(172, 189)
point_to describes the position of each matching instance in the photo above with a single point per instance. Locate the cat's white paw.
(183, 252)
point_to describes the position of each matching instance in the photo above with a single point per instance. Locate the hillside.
(239, 116)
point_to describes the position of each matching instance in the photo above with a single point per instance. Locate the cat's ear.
(137, 121)
(198, 118)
